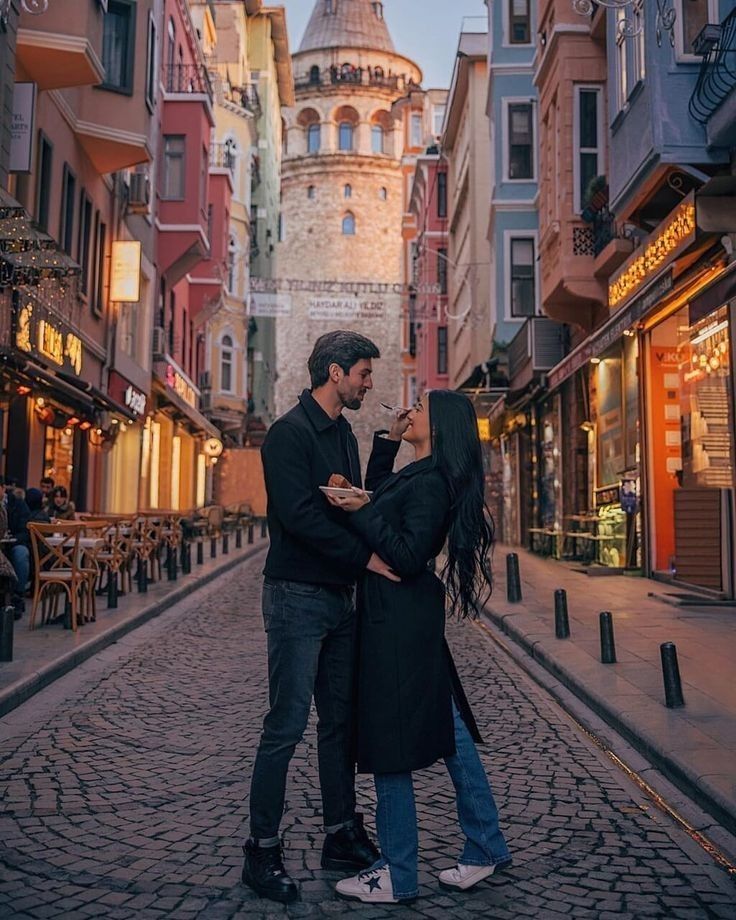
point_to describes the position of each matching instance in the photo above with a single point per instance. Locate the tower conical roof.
(347, 24)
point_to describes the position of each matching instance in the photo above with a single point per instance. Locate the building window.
(226, 364)
(442, 269)
(638, 40)
(345, 136)
(151, 63)
(378, 8)
(588, 140)
(348, 224)
(523, 295)
(521, 141)
(622, 69)
(118, 45)
(347, 191)
(377, 139)
(692, 15)
(68, 202)
(171, 45)
(330, 6)
(417, 134)
(232, 252)
(314, 75)
(311, 193)
(442, 349)
(313, 139)
(520, 29)
(97, 287)
(438, 119)
(43, 188)
(173, 176)
(83, 239)
(442, 194)
(280, 229)
(383, 193)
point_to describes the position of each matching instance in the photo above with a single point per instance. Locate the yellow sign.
(659, 249)
(63, 348)
(484, 429)
(125, 274)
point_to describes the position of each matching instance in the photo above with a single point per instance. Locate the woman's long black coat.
(406, 676)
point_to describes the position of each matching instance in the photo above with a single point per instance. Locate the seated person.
(61, 508)
(47, 487)
(19, 553)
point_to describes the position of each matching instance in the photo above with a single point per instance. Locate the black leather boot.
(264, 872)
(350, 849)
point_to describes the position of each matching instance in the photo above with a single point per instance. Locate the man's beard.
(351, 402)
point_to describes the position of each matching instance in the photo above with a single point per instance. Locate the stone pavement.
(45, 654)
(124, 791)
(694, 746)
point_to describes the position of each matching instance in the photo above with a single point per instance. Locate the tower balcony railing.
(350, 75)
(716, 44)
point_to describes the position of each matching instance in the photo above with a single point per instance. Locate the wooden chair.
(58, 568)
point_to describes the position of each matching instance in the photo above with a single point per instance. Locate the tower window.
(377, 139)
(348, 224)
(313, 139)
(378, 9)
(346, 136)
(314, 76)
(383, 193)
(348, 191)
(311, 192)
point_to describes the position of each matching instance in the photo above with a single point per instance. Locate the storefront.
(548, 461)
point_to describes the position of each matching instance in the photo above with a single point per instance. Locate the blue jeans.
(396, 816)
(20, 559)
(311, 639)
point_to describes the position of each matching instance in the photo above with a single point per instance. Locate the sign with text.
(21, 129)
(38, 333)
(350, 308)
(269, 304)
(125, 271)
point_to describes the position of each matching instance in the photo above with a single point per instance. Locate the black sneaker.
(350, 849)
(264, 872)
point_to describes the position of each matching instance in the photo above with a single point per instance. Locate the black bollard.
(264, 528)
(562, 622)
(213, 547)
(238, 538)
(513, 579)
(186, 557)
(200, 552)
(171, 564)
(250, 532)
(142, 575)
(225, 543)
(671, 674)
(7, 618)
(183, 554)
(112, 589)
(608, 646)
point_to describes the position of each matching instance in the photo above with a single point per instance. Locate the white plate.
(341, 493)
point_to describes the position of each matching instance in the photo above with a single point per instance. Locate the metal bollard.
(7, 618)
(250, 532)
(238, 538)
(225, 543)
(186, 557)
(112, 589)
(213, 548)
(200, 552)
(671, 674)
(264, 528)
(608, 646)
(142, 575)
(513, 579)
(562, 622)
(183, 552)
(171, 564)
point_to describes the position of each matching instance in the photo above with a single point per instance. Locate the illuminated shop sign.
(125, 271)
(49, 338)
(660, 248)
(181, 386)
(135, 400)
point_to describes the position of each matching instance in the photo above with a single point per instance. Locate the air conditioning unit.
(205, 402)
(205, 380)
(139, 193)
(159, 340)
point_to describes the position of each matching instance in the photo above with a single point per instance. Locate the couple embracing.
(375, 661)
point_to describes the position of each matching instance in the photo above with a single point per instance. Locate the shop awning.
(195, 418)
(28, 255)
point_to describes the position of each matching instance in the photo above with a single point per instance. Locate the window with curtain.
(226, 364)
(523, 295)
(173, 178)
(520, 141)
(118, 39)
(519, 22)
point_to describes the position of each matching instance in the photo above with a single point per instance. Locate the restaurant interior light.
(23, 390)
(595, 360)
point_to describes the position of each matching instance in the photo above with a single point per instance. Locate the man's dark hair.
(339, 347)
(47, 481)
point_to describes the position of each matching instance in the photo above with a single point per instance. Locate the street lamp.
(666, 15)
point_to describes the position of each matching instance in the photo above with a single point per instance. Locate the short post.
(112, 589)
(562, 622)
(238, 537)
(142, 575)
(171, 563)
(250, 532)
(513, 579)
(200, 551)
(608, 646)
(225, 543)
(7, 619)
(671, 674)
(264, 528)
(213, 547)
(186, 557)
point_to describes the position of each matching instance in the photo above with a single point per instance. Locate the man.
(19, 553)
(47, 487)
(309, 614)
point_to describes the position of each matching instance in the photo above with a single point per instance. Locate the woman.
(411, 707)
(61, 508)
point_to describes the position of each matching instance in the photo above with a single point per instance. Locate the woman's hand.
(399, 425)
(352, 502)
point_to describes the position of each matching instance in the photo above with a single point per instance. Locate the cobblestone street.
(124, 791)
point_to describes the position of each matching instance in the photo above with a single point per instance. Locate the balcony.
(713, 102)
(188, 79)
(537, 347)
(58, 50)
(222, 157)
(339, 76)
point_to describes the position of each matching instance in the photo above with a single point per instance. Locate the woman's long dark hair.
(457, 454)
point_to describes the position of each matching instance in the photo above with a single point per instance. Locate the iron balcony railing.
(222, 157)
(347, 73)
(188, 78)
(717, 78)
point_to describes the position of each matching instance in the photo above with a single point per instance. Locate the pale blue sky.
(424, 30)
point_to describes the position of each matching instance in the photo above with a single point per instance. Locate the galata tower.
(340, 252)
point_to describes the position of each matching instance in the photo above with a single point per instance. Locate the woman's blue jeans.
(396, 816)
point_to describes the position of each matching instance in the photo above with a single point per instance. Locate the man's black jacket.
(309, 538)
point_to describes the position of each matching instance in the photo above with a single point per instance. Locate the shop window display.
(58, 457)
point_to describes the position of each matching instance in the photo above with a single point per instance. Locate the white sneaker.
(462, 877)
(372, 886)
